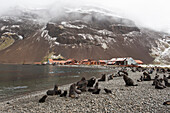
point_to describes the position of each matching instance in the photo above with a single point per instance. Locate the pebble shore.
(143, 98)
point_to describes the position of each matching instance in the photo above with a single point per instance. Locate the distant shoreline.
(98, 66)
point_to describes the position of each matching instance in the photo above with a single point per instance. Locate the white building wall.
(131, 61)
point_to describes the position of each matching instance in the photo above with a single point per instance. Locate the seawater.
(22, 79)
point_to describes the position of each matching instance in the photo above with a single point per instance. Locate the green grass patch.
(6, 42)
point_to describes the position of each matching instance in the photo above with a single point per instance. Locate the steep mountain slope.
(87, 32)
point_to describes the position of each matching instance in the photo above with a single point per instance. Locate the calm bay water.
(22, 79)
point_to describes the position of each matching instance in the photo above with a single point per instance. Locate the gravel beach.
(141, 98)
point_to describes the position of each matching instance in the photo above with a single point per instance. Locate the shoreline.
(30, 94)
(141, 98)
(95, 66)
(39, 90)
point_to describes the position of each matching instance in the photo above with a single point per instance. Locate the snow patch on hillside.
(86, 36)
(66, 24)
(161, 53)
(51, 40)
(20, 37)
(3, 28)
(131, 34)
(104, 46)
(106, 32)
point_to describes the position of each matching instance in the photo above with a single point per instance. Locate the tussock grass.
(6, 42)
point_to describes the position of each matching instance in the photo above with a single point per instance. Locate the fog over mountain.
(30, 31)
(153, 14)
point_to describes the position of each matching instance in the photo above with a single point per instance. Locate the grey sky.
(154, 14)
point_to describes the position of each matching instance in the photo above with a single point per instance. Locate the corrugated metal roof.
(103, 61)
(111, 62)
(113, 59)
(120, 59)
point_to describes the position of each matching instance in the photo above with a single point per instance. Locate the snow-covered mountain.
(87, 32)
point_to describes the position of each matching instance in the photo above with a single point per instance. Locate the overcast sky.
(154, 14)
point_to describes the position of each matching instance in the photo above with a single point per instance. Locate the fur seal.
(110, 77)
(55, 91)
(103, 78)
(146, 77)
(50, 92)
(91, 82)
(73, 91)
(64, 94)
(42, 100)
(121, 73)
(128, 81)
(158, 84)
(82, 84)
(95, 88)
(55, 87)
(155, 79)
(166, 103)
(133, 70)
(107, 90)
(166, 81)
(96, 92)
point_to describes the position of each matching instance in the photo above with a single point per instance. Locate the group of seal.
(53, 92)
(92, 85)
(157, 82)
(83, 85)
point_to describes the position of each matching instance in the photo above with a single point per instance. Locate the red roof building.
(139, 62)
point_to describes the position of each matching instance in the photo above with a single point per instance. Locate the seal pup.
(42, 100)
(64, 94)
(103, 78)
(128, 81)
(107, 91)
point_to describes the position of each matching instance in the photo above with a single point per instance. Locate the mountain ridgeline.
(80, 33)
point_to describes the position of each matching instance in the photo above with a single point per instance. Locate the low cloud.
(154, 14)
